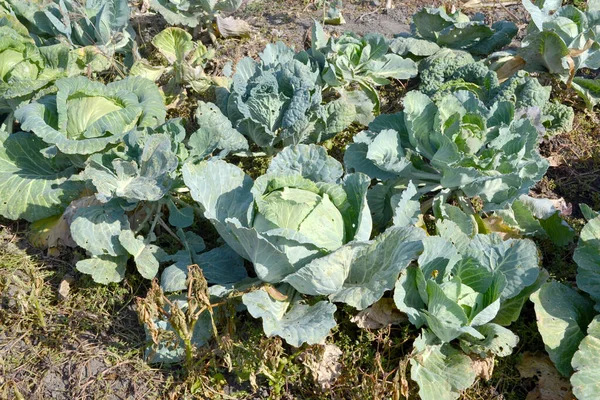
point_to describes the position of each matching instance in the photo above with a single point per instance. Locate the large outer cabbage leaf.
(291, 319)
(587, 257)
(562, 317)
(375, 267)
(33, 187)
(440, 370)
(586, 379)
(193, 12)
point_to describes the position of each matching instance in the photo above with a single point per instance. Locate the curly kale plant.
(306, 228)
(448, 71)
(455, 30)
(455, 146)
(279, 100)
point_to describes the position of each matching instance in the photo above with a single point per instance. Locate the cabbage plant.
(305, 227)
(194, 12)
(24, 68)
(463, 294)
(448, 71)
(569, 319)
(453, 29)
(358, 60)
(84, 117)
(186, 61)
(562, 41)
(279, 100)
(454, 147)
(111, 141)
(97, 28)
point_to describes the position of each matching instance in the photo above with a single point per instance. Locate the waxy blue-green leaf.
(562, 317)
(33, 187)
(441, 371)
(444, 316)
(587, 257)
(376, 267)
(270, 263)
(144, 254)
(517, 260)
(104, 269)
(406, 206)
(324, 275)
(310, 161)
(97, 228)
(180, 218)
(215, 132)
(499, 341)
(222, 189)
(586, 379)
(84, 116)
(221, 266)
(149, 179)
(588, 89)
(587, 211)
(291, 319)
(511, 308)
(456, 30)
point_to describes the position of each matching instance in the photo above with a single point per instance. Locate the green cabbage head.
(311, 214)
(84, 116)
(300, 210)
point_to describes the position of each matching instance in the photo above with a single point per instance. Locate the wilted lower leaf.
(232, 27)
(379, 315)
(483, 367)
(551, 385)
(325, 367)
(65, 287)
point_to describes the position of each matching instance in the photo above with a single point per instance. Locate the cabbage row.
(429, 208)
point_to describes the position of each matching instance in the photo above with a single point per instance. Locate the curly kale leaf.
(438, 68)
(559, 118)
